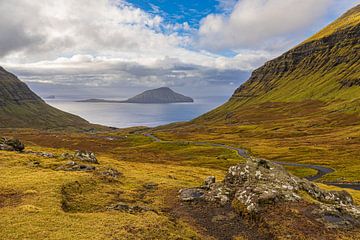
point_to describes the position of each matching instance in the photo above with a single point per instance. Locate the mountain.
(20, 107)
(325, 69)
(301, 107)
(159, 95)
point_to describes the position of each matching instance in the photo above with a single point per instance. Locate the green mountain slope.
(324, 68)
(20, 107)
(303, 106)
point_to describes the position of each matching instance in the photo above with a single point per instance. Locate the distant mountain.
(20, 107)
(159, 95)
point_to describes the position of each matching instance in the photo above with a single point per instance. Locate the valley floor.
(38, 200)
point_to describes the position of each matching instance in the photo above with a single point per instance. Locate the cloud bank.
(113, 43)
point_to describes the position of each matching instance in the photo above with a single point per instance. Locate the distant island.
(159, 95)
(50, 97)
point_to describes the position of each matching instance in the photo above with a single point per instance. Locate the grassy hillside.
(20, 107)
(349, 19)
(303, 106)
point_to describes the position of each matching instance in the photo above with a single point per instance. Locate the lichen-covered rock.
(67, 156)
(191, 194)
(109, 174)
(254, 186)
(209, 180)
(86, 156)
(11, 144)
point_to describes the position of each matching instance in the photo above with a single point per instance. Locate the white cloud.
(112, 43)
(253, 23)
(101, 42)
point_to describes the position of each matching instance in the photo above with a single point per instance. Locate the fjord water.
(123, 115)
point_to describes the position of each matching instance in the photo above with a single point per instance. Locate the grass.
(300, 171)
(76, 204)
(42, 192)
(351, 18)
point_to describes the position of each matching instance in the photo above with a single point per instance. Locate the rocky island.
(160, 95)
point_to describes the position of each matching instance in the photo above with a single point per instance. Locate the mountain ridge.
(324, 69)
(22, 108)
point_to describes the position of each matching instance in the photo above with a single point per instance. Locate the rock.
(67, 156)
(86, 156)
(109, 174)
(251, 188)
(209, 180)
(73, 166)
(191, 194)
(150, 186)
(11, 145)
(42, 154)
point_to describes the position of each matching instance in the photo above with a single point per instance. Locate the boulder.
(191, 194)
(11, 145)
(86, 156)
(109, 174)
(209, 180)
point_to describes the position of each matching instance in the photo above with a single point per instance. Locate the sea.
(123, 115)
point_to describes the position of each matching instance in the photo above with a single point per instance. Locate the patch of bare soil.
(10, 199)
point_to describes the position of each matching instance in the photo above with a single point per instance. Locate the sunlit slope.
(325, 68)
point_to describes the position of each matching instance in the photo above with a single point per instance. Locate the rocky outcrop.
(11, 145)
(86, 156)
(253, 187)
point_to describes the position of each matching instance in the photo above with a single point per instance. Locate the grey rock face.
(258, 184)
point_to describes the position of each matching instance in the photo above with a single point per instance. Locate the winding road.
(321, 170)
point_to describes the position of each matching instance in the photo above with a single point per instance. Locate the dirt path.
(321, 170)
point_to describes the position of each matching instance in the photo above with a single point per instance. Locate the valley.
(279, 160)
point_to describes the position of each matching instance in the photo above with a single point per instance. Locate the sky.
(115, 47)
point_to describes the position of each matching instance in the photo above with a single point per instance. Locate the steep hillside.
(20, 107)
(303, 106)
(324, 68)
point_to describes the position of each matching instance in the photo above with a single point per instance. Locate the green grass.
(42, 191)
(351, 18)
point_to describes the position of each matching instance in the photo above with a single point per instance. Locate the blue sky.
(203, 46)
(179, 11)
